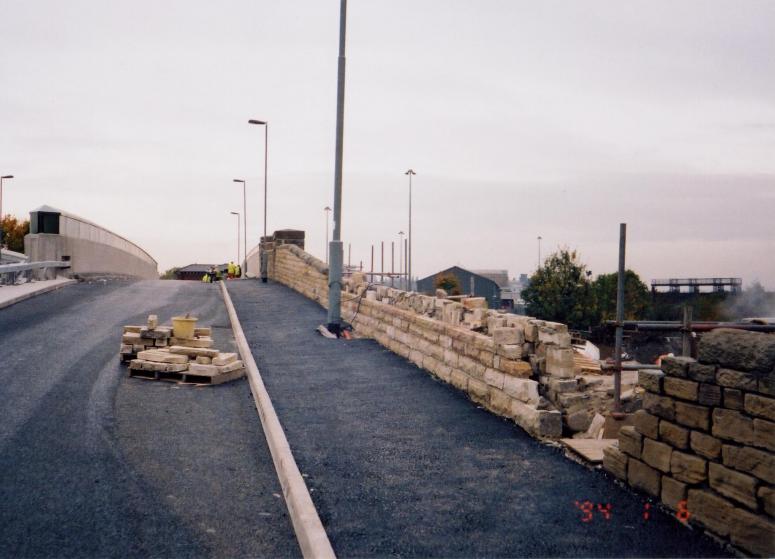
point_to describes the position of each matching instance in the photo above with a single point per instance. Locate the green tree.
(636, 296)
(447, 282)
(561, 291)
(14, 231)
(169, 274)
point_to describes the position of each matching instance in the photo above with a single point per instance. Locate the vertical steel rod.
(371, 278)
(392, 262)
(686, 331)
(619, 320)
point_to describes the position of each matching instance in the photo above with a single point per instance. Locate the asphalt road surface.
(96, 464)
(400, 464)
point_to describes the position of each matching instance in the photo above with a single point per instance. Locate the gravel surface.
(400, 464)
(96, 464)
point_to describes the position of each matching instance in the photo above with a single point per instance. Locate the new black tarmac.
(400, 464)
(96, 464)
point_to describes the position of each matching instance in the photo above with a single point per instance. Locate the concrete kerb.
(31, 294)
(310, 533)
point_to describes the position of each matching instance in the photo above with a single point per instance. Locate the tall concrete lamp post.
(1, 214)
(237, 214)
(401, 269)
(335, 247)
(244, 264)
(411, 173)
(326, 211)
(265, 124)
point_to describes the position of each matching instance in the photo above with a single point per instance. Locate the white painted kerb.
(310, 534)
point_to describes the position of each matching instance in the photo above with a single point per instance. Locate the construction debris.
(178, 354)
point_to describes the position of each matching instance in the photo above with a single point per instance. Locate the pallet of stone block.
(227, 373)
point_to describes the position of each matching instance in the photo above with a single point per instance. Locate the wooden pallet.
(187, 377)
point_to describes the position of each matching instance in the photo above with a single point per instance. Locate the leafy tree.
(561, 291)
(169, 274)
(14, 231)
(448, 282)
(636, 296)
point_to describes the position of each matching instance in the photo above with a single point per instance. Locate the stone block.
(126, 348)
(736, 379)
(734, 485)
(499, 402)
(198, 342)
(710, 510)
(753, 533)
(760, 406)
(767, 385)
(474, 303)
(656, 454)
(644, 477)
(202, 360)
(651, 380)
(154, 334)
(224, 358)
(204, 370)
(630, 441)
(764, 434)
(161, 342)
(702, 373)
(152, 322)
(203, 331)
(732, 425)
(687, 467)
(559, 362)
(733, 398)
(673, 491)
(459, 379)
(690, 415)
(562, 385)
(509, 351)
(494, 378)
(681, 388)
(143, 365)
(661, 406)
(161, 356)
(578, 421)
(705, 445)
(709, 394)
(646, 424)
(524, 390)
(738, 349)
(508, 335)
(132, 329)
(615, 462)
(767, 499)
(676, 366)
(516, 368)
(495, 321)
(531, 331)
(674, 435)
(750, 460)
(131, 338)
(478, 390)
(548, 423)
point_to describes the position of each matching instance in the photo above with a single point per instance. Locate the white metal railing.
(10, 273)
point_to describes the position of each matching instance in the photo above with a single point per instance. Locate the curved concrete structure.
(91, 249)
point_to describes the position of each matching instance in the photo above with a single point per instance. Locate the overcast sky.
(558, 119)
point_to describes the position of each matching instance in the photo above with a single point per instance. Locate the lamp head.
(253, 121)
(410, 172)
(7, 177)
(239, 180)
(234, 213)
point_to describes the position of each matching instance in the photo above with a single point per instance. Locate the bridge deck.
(401, 464)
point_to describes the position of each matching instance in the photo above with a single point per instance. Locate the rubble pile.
(162, 353)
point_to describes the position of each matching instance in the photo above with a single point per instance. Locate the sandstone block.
(656, 454)
(705, 445)
(197, 342)
(750, 460)
(126, 348)
(459, 379)
(131, 338)
(224, 358)
(690, 415)
(673, 434)
(132, 329)
(152, 322)
(681, 388)
(661, 406)
(204, 370)
(733, 426)
(676, 366)
(531, 331)
(516, 368)
(767, 499)
(509, 351)
(702, 373)
(733, 399)
(562, 385)
(524, 390)
(508, 335)
(499, 402)
(735, 485)
(559, 362)
(203, 331)
(643, 477)
(746, 351)
(161, 357)
(630, 441)
(673, 491)
(478, 390)
(474, 303)
(709, 394)
(143, 365)
(710, 510)
(494, 378)
(646, 424)
(754, 533)
(651, 380)
(760, 406)
(154, 334)
(767, 385)
(688, 468)
(548, 423)
(615, 462)
(202, 360)
(736, 379)
(764, 434)
(578, 421)
(161, 342)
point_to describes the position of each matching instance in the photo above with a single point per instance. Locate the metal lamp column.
(1, 214)
(244, 264)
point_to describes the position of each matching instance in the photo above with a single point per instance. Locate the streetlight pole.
(1, 215)
(335, 248)
(539, 251)
(265, 124)
(411, 173)
(244, 265)
(237, 214)
(326, 211)
(401, 255)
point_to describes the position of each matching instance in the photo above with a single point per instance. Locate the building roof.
(501, 277)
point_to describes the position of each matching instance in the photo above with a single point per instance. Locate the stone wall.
(704, 440)
(513, 365)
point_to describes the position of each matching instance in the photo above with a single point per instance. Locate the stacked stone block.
(706, 436)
